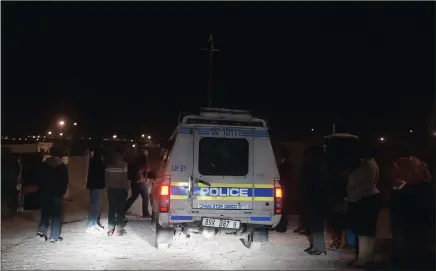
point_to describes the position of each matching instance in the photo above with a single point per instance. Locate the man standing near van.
(95, 185)
(53, 186)
(117, 184)
(138, 176)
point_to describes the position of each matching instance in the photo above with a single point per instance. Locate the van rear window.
(223, 156)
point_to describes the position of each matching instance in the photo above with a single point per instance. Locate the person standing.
(117, 185)
(53, 186)
(314, 199)
(364, 203)
(138, 178)
(411, 210)
(96, 185)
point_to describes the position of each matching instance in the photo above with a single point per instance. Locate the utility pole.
(334, 129)
(211, 50)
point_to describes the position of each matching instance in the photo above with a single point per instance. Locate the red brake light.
(164, 190)
(278, 193)
(278, 199)
(164, 199)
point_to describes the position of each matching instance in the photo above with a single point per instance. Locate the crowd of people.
(410, 205)
(328, 205)
(114, 172)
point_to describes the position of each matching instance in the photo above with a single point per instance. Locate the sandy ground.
(135, 251)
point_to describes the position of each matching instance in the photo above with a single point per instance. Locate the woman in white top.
(364, 206)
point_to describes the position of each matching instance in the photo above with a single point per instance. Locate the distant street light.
(142, 135)
(75, 124)
(133, 145)
(312, 129)
(49, 132)
(382, 139)
(410, 131)
(149, 137)
(61, 123)
(61, 134)
(114, 136)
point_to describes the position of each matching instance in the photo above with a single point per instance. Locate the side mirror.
(166, 144)
(283, 161)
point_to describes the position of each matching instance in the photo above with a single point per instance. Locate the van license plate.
(221, 223)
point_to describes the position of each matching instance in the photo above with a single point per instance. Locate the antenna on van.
(211, 50)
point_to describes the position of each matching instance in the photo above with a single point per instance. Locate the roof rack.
(226, 114)
(224, 110)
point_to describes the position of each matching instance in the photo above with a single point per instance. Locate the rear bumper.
(168, 220)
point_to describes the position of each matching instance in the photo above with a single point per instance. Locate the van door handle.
(203, 182)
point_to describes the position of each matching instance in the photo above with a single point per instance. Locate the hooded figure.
(53, 184)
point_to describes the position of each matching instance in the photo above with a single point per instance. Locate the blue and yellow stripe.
(256, 192)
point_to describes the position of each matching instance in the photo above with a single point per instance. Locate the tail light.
(278, 198)
(164, 198)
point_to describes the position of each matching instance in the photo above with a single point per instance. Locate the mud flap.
(164, 237)
(257, 239)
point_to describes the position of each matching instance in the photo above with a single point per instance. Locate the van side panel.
(179, 167)
(265, 170)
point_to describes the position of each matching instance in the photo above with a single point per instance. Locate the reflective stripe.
(235, 185)
(180, 197)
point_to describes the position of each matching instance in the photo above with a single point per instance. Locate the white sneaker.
(93, 230)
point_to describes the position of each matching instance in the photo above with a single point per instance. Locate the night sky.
(131, 67)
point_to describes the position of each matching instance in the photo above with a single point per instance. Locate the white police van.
(219, 177)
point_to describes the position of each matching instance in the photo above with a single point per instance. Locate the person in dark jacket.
(53, 185)
(117, 184)
(314, 199)
(96, 185)
(138, 175)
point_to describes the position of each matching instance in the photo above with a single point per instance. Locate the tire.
(164, 237)
(256, 240)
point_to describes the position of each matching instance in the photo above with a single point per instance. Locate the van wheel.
(256, 239)
(164, 237)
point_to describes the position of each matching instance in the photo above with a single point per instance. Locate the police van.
(218, 177)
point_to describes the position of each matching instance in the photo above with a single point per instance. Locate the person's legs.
(317, 230)
(45, 219)
(370, 210)
(144, 195)
(99, 203)
(111, 194)
(56, 220)
(121, 203)
(398, 226)
(132, 199)
(92, 215)
(95, 196)
(309, 240)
